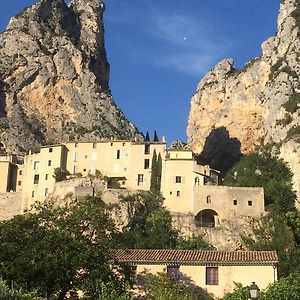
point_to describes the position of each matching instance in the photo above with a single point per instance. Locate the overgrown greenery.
(164, 287)
(271, 173)
(293, 104)
(60, 174)
(294, 133)
(285, 121)
(149, 224)
(58, 250)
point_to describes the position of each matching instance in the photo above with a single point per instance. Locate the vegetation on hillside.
(56, 251)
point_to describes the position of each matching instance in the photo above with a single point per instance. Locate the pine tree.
(147, 138)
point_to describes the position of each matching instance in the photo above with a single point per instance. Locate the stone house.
(215, 271)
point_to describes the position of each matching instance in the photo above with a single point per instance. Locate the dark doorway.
(206, 218)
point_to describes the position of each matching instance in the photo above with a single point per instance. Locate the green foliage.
(273, 233)
(164, 287)
(107, 291)
(155, 172)
(193, 242)
(112, 182)
(293, 103)
(15, 293)
(56, 250)
(285, 121)
(294, 133)
(240, 293)
(149, 224)
(285, 288)
(60, 174)
(271, 173)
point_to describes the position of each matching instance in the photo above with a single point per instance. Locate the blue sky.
(159, 50)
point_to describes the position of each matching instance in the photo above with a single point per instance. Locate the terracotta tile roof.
(195, 257)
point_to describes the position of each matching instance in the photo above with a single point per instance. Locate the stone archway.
(206, 218)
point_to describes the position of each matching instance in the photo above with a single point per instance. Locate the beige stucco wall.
(43, 165)
(114, 159)
(262, 275)
(4, 176)
(222, 200)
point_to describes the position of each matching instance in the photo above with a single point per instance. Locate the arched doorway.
(206, 218)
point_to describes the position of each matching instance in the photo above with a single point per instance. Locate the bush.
(293, 103)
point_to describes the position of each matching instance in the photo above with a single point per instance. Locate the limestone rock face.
(54, 77)
(259, 104)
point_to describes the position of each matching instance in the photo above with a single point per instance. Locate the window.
(50, 150)
(20, 172)
(36, 165)
(250, 203)
(197, 181)
(46, 177)
(86, 156)
(76, 145)
(234, 202)
(49, 163)
(75, 156)
(140, 179)
(173, 271)
(178, 193)
(94, 146)
(178, 179)
(111, 144)
(19, 182)
(208, 199)
(84, 170)
(118, 154)
(46, 191)
(74, 169)
(123, 144)
(171, 193)
(146, 163)
(147, 149)
(36, 179)
(32, 194)
(212, 276)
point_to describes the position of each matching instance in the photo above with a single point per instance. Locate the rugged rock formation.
(54, 77)
(259, 104)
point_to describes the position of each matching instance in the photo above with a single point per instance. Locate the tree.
(155, 138)
(271, 173)
(149, 223)
(240, 293)
(273, 233)
(156, 167)
(147, 138)
(285, 288)
(60, 174)
(58, 249)
(165, 287)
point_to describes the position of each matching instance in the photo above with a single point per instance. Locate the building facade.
(215, 271)
(186, 186)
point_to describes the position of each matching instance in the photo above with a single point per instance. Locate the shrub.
(293, 103)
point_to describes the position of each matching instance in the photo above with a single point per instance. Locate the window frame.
(212, 275)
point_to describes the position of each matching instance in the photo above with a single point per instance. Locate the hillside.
(237, 111)
(54, 77)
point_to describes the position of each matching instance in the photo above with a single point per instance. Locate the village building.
(186, 186)
(215, 271)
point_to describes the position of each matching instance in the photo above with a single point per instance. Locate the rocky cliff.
(237, 111)
(54, 77)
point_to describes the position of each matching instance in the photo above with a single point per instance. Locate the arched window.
(208, 199)
(197, 181)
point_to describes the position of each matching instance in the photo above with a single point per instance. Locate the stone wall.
(10, 205)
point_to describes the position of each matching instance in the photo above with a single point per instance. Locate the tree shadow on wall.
(220, 151)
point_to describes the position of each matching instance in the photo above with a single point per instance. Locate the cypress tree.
(156, 172)
(147, 138)
(155, 139)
